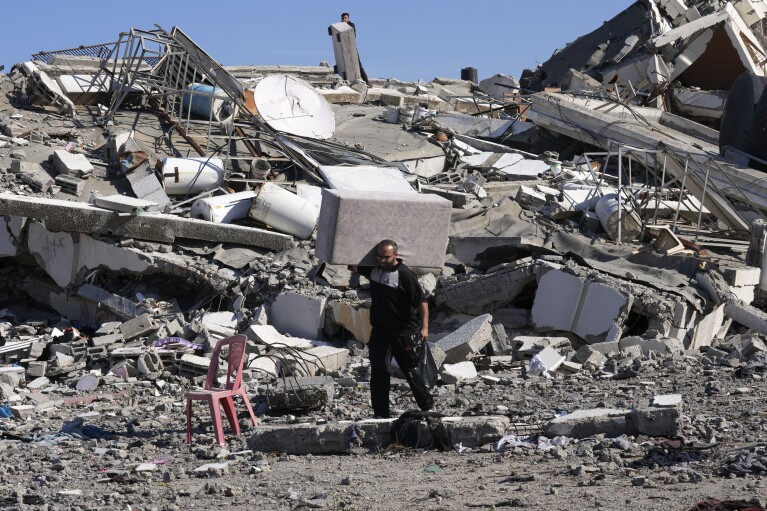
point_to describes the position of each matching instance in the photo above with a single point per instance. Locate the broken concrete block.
(324, 359)
(262, 367)
(745, 276)
(466, 341)
(76, 165)
(345, 50)
(437, 354)
(366, 178)
(667, 400)
(333, 438)
(530, 198)
(116, 145)
(88, 382)
(571, 367)
(146, 186)
(662, 422)
(631, 352)
(10, 235)
(499, 342)
(122, 307)
(549, 358)
(36, 368)
(708, 328)
(219, 325)
(588, 355)
(149, 362)
(124, 204)
(70, 185)
(587, 423)
(355, 319)
(488, 292)
(137, 327)
(661, 345)
(107, 340)
(192, 365)
(342, 96)
(22, 412)
(352, 223)
(593, 311)
(606, 348)
(752, 345)
(454, 373)
(269, 336)
(298, 315)
(747, 315)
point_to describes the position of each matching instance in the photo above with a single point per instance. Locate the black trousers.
(381, 348)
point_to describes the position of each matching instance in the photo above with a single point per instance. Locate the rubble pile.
(591, 238)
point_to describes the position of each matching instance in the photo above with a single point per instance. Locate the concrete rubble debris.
(589, 237)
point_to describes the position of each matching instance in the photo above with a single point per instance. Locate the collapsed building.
(579, 220)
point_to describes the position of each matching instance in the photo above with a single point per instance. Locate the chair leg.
(215, 414)
(188, 421)
(250, 408)
(231, 414)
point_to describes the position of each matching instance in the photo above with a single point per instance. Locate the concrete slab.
(220, 325)
(455, 373)
(120, 306)
(331, 438)
(587, 423)
(146, 186)
(366, 178)
(262, 367)
(465, 342)
(318, 360)
(551, 358)
(352, 223)
(345, 50)
(137, 327)
(54, 251)
(10, 235)
(124, 204)
(593, 311)
(355, 319)
(663, 422)
(269, 336)
(487, 292)
(667, 400)
(66, 216)
(70, 164)
(747, 315)
(298, 315)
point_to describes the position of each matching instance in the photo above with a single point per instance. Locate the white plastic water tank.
(184, 176)
(223, 209)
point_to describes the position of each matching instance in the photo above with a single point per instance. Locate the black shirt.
(396, 295)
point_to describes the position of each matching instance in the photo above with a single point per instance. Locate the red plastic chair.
(222, 397)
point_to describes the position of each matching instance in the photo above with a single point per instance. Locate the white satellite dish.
(292, 106)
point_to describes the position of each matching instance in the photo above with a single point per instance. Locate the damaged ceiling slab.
(590, 239)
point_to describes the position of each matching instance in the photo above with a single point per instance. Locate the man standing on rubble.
(345, 19)
(400, 318)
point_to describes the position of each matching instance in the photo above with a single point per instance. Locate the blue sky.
(397, 39)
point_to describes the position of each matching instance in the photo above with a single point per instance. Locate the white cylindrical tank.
(184, 176)
(284, 211)
(208, 103)
(222, 209)
(607, 212)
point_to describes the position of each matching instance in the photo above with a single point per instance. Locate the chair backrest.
(234, 361)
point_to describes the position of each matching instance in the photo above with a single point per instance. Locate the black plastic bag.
(425, 370)
(416, 362)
